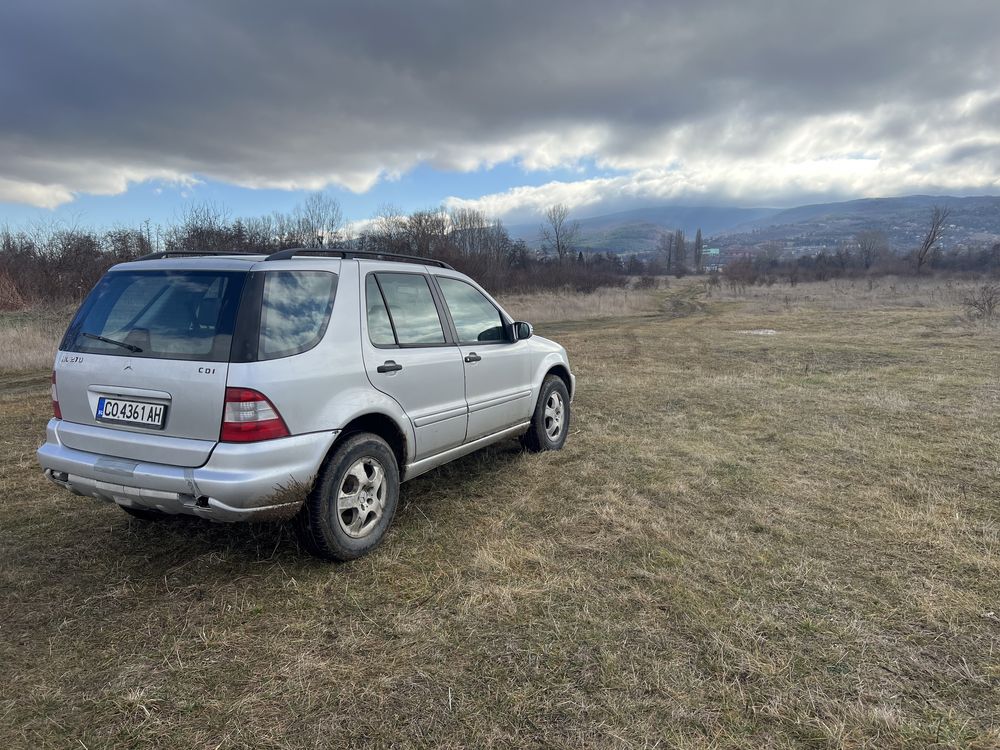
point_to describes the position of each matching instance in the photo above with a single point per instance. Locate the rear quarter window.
(294, 312)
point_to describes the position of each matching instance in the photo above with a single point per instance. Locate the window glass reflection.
(165, 315)
(412, 308)
(294, 311)
(379, 327)
(475, 316)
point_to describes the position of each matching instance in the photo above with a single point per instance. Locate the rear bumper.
(252, 481)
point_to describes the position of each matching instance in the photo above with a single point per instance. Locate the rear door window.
(379, 326)
(188, 315)
(295, 311)
(413, 315)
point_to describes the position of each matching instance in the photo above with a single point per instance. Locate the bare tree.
(939, 216)
(426, 232)
(984, 302)
(699, 246)
(558, 234)
(872, 243)
(844, 256)
(497, 246)
(666, 246)
(204, 226)
(127, 244)
(680, 253)
(469, 230)
(319, 219)
(386, 233)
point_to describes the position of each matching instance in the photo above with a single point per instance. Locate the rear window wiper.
(122, 344)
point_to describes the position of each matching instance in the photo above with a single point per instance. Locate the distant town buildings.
(711, 259)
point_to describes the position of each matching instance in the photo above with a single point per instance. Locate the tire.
(550, 422)
(353, 500)
(146, 514)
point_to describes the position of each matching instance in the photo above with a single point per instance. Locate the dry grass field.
(568, 305)
(28, 338)
(784, 540)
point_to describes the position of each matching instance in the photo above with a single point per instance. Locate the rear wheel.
(550, 422)
(353, 501)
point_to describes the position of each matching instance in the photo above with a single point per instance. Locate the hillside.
(637, 230)
(973, 221)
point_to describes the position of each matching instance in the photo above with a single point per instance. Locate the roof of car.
(347, 253)
(177, 260)
(215, 261)
(290, 254)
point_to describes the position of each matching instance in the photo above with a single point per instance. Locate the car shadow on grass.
(159, 545)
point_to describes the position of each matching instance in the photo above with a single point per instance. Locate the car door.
(497, 369)
(409, 357)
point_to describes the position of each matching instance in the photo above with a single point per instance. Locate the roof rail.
(349, 254)
(190, 254)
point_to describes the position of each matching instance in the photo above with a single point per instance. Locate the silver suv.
(305, 384)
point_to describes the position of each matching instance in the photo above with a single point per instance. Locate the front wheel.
(353, 501)
(550, 422)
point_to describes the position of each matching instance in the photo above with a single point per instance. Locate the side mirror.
(522, 331)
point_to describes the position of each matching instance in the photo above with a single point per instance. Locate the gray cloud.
(728, 100)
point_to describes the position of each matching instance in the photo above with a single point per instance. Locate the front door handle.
(389, 366)
(472, 357)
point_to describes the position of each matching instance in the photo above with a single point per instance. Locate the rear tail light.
(56, 411)
(249, 416)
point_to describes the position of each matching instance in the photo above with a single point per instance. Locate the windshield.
(159, 314)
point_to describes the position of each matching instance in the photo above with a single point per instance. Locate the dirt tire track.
(17, 383)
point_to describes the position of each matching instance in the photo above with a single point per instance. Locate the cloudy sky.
(113, 111)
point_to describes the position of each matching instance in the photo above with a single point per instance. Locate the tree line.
(53, 264)
(673, 248)
(867, 253)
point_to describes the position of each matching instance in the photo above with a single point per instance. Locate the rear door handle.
(472, 357)
(389, 366)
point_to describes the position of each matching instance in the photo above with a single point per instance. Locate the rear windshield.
(160, 314)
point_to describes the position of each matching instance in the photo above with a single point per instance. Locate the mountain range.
(972, 221)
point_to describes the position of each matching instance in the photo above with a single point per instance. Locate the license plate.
(136, 413)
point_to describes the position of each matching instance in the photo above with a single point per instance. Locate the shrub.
(984, 302)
